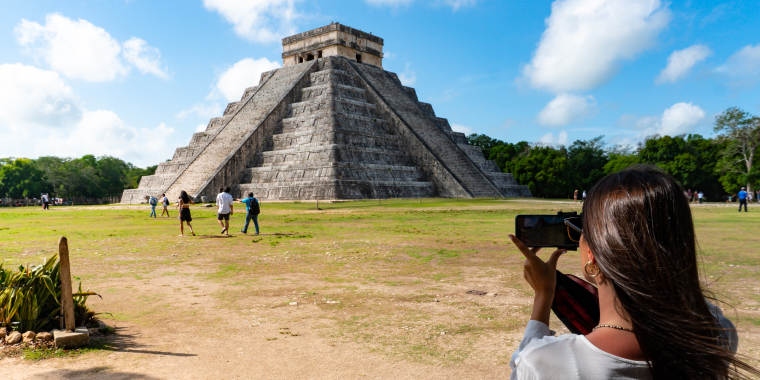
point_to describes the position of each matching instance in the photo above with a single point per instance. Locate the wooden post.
(67, 298)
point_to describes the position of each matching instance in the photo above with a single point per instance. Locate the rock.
(436, 300)
(293, 304)
(94, 330)
(13, 338)
(3, 333)
(208, 205)
(67, 339)
(44, 337)
(29, 336)
(477, 292)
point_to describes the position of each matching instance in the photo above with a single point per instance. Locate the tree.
(740, 132)
(545, 170)
(586, 160)
(20, 178)
(619, 158)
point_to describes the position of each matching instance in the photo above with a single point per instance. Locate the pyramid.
(330, 124)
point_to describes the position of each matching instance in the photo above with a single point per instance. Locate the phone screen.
(543, 231)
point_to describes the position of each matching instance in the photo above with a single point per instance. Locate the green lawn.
(373, 270)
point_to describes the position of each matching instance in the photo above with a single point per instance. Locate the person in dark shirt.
(253, 210)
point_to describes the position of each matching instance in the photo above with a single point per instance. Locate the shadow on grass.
(215, 236)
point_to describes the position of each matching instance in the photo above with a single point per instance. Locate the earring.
(594, 268)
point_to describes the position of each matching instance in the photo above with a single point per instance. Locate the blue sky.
(135, 79)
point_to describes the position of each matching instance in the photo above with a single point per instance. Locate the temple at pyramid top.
(333, 40)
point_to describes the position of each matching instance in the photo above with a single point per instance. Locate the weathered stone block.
(67, 339)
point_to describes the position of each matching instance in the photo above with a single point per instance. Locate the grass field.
(386, 281)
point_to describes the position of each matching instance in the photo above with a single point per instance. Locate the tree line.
(717, 166)
(85, 177)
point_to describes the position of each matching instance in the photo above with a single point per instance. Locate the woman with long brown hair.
(184, 213)
(638, 246)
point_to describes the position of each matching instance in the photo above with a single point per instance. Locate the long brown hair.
(638, 225)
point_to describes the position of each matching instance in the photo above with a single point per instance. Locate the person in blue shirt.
(743, 199)
(253, 210)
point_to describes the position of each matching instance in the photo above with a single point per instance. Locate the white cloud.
(585, 40)
(76, 49)
(35, 97)
(243, 74)
(680, 63)
(388, 55)
(745, 63)
(550, 139)
(204, 111)
(262, 21)
(565, 109)
(38, 107)
(408, 77)
(145, 58)
(680, 118)
(461, 128)
(81, 50)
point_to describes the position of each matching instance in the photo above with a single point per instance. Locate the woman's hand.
(541, 276)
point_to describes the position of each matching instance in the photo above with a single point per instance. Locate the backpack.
(153, 201)
(254, 208)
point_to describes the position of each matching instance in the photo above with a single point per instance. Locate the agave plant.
(31, 297)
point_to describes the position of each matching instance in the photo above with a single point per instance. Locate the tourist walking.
(224, 203)
(743, 199)
(45, 202)
(700, 196)
(184, 213)
(689, 195)
(153, 203)
(584, 196)
(165, 202)
(575, 196)
(252, 213)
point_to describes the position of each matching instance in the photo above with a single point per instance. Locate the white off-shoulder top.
(541, 355)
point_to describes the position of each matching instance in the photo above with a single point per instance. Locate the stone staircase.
(333, 144)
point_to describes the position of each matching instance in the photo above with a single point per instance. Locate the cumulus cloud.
(550, 139)
(263, 21)
(76, 49)
(461, 128)
(243, 74)
(585, 40)
(145, 58)
(565, 109)
(742, 65)
(81, 50)
(680, 63)
(38, 106)
(408, 77)
(35, 97)
(680, 118)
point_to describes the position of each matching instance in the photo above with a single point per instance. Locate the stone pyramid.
(329, 126)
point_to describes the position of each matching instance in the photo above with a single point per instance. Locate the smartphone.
(547, 230)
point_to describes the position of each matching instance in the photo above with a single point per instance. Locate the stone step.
(364, 140)
(293, 173)
(331, 154)
(332, 105)
(158, 181)
(339, 189)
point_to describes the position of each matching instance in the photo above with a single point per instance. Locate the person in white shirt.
(700, 195)
(654, 319)
(224, 203)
